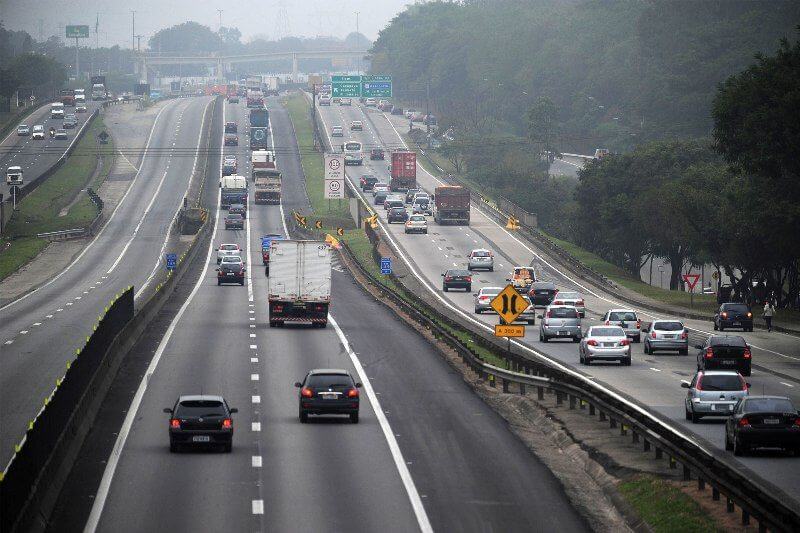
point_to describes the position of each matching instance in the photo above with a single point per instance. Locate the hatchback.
(397, 214)
(393, 201)
(231, 140)
(763, 422)
(605, 343)
(227, 249)
(480, 259)
(23, 130)
(380, 196)
(733, 315)
(483, 299)
(200, 420)
(542, 293)
(231, 127)
(666, 335)
(231, 270)
(234, 221)
(627, 320)
(397, 110)
(457, 279)
(560, 322)
(570, 298)
(713, 393)
(61, 134)
(356, 125)
(328, 392)
(729, 352)
(378, 187)
(367, 182)
(370, 102)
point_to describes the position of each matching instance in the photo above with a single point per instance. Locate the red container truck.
(403, 170)
(451, 205)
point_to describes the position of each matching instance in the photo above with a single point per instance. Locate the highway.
(426, 454)
(652, 380)
(37, 156)
(40, 331)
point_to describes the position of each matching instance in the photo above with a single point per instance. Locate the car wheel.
(271, 324)
(354, 418)
(444, 288)
(687, 414)
(241, 283)
(219, 282)
(721, 327)
(425, 232)
(491, 269)
(173, 448)
(228, 447)
(576, 339)
(637, 339)
(587, 361)
(544, 338)
(715, 326)
(580, 358)
(695, 417)
(469, 288)
(728, 445)
(266, 272)
(739, 448)
(646, 348)
(469, 268)
(683, 351)
(627, 361)
(747, 371)
(303, 417)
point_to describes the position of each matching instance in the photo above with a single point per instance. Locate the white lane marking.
(69, 303)
(787, 384)
(252, 312)
(255, 426)
(252, 335)
(253, 377)
(252, 325)
(251, 318)
(96, 237)
(255, 399)
(9, 342)
(48, 316)
(254, 359)
(253, 346)
(23, 332)
(394, 448)
(116, 452)
(37, 324)
(59, 310)
(255, 461)
(655, 369)
(258, 506)
(78, 297)
(249, 272)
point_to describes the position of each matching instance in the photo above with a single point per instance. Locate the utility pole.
(77, 62)
(220, 19)
(138, 43)
(358, 63)
(133, 29)
(428, 129)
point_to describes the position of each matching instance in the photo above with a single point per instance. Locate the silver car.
(666, 335)
(226, 250)
(628, 320)
(605, 343)
(483, 299)
(713, 393)
(560, 322)
(573, 299)
(480, 259)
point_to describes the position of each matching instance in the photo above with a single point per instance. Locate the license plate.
(329, 396)
(201, 438)
(728, 362)
(563, 332)
(669, 336)
(713, 407)
(737, 323)
(229, 274)
(772, 421)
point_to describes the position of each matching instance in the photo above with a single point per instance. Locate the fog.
(254, 18)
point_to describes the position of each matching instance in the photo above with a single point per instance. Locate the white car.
(380, 187)
(38, 132)
(370, 102)
(23, 129)
(80, 108)
(573, 299)
(324, 100)
(417, 224)
(356, 125)
(226, 250)
(346, 101)
(337, 131)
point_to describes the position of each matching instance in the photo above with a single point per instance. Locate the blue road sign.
(386, 265)
(172, 261)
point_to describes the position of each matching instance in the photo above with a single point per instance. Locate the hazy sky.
(306, 18)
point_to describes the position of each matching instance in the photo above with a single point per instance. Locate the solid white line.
(258, 506)
(394, 448)
(253, 346)
(787, 384)
(254, 359)
(252, 335)
(655, 369)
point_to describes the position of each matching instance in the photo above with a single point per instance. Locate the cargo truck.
(403, 170)
(253, 82)
(451, 205)
(262, 159)
(267, 186)
(255, 98)
(272, 85)
(67, 97)
(299, 282)
(234, 191)
(259, 118)
(99, 92)
(258, 138)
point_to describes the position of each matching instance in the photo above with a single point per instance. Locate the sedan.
(573, 299)
(370, 102)
(328, 392)
(397, 214)
(61, 134)
(367, 182)
(763, 422)
(231, 270)
(417, 224)
(380, 196)
(666, 335)
(200, 420)
(231, 140)
(605, 343)
(376, 154)
(228, 249)
(336, 131)
(733, 315)
(345, 101)
(238, 209)
(560, 322)
(725, 352)
(23, 130)
(542, 293)
(234, 221)
(80, 108)
(356, 125)
(410, 195)
(484, 297)
(480, 259)
(380, 187)
(457, 279)
(231, 127)
(38, 132)
(713, 393)
(393, 201)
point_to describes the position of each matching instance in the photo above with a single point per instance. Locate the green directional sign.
(81, 31)
(344, 79)
(345, 89)
(376, 86)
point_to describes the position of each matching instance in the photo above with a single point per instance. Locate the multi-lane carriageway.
(653, 380)
(427, 453)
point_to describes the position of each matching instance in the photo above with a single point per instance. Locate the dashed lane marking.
(255, 399)
(255, 426)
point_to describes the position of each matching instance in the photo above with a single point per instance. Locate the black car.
(231, 140)
(234, 221)
(238, 209)
(397, 214)
(725, 352)
(410, 194)
(328, 392)
(397, 110)
(733, 315)
(376, 154)
(231, 127)
(763, 422)
(542, 293)
(457, 279)
(231, 270)
(200, 420)
(367, 182)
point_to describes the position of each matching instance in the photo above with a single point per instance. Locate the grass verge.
(332, 213)
(39, 211)
(665, 507)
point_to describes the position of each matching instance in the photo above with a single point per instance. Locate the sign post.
(334, 176)
(691, 281)
(77, 32)
(386, 265)
(509, 304)
(172, 261)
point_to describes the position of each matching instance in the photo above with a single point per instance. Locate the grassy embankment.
(39, 211)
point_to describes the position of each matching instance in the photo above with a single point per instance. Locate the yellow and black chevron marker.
(513, 223)
(318, 224)
(373, 221)
(339, 232)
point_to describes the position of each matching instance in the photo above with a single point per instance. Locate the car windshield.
(606, 332)
(720, 382)
(768, 405)
(623, 316)
(229, 247)
(321, 381)
(200, 408)
(545, 285)
(563, 312)
(668, 326)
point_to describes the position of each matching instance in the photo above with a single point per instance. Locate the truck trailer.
(403, 170)
(451, 205)
(267, 186)
(299, 282)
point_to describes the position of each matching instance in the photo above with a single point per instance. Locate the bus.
(352, 153)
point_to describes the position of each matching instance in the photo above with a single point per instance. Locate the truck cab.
(352, 153)
(14, 176)
(57, 110)
(522, 278)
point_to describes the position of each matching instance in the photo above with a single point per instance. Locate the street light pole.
(358, 61)
(77, 61)
(428, 123)
(133, 29)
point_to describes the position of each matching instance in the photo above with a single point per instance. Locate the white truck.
(57, 110)
(14, 176)
(273, 84)
(299, 282)
(234, 190)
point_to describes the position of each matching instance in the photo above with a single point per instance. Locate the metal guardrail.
(63, 235)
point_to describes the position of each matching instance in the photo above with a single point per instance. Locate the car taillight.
(319, 307)
(749, 314)
(483, 298)
(469, 278)
(724, 314)
(579, 303)
(747, 354)
(558, 302)
(278, 308)
(591, 342)
(744, 384)
(220, 274)
(797, 422)
(227, 423)
(352, 393)
(608, 322)
(709, 352)
(744, 423)
(699, 384)
(175, 423)
(638, 324)
(241, 272)
(305, 392)
(448, 278)
(547, 315)
(684, 335)
(624, 342)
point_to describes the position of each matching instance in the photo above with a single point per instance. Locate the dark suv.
(733, 315)
(397, 214)
(457, 279)
(367, 182)
(328, 392)
(200, 420)
(725, 352)
(542, 293)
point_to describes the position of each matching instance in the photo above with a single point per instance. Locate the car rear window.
(418, 218)
(329, 380)
(607, 332)
(544, 285)
(229, 247)
(568, 295)
(622, 315)
(668, 326)
(192, 408)
(728, 340)
(459, 273)
(480, 254)
(767, 405)
(714, 382)
(739, 308)
(563, 312)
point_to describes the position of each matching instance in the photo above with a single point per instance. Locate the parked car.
(356, 125)
(239, 209)
(666, 335)
(231, 140)
(560, 322)
(328, 392)
(231, 270)
(200, 420)
(713, 393)
(571, 298)
(23, 130)
(627, 319)
(228, 249)
(729, 352)
(763, 422)
(457, 279)
(480, 259)
(376, 154)
(367, 182)
(231, 127)
(542, 293)
(605, 343)
(417, 224)
(234, 221)
(483, 299)
(733, 315)
(337, 131)
(397, 214)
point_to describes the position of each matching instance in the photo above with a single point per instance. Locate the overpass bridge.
(222, 63)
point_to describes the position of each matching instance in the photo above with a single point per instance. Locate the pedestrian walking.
(769, 312)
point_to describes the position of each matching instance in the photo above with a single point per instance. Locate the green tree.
(189, 38)
(35, 70)
(542, 126)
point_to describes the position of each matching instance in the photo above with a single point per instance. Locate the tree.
(542, 127)
(189, 38)
(35, 69)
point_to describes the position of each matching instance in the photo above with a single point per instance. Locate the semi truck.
(234, 191)
(451, 205)
(255, 98)
(259, 118)
(267, 186)
(403, 170)
(262, 159)
(258, 138)
(99, 92)
(272, 85)
(67, 97)
(299, 282)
